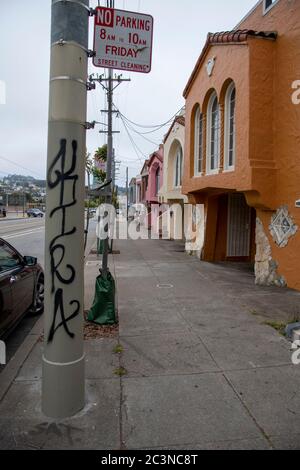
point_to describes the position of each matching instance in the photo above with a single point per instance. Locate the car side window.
(8, 258)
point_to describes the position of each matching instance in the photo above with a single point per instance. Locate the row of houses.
(235, 149)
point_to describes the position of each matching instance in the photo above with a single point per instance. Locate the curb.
(13, 367)
(8, 219)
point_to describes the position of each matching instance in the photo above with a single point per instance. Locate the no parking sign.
(123, 40)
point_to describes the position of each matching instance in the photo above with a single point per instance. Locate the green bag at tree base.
(100, 246)
(103, 311)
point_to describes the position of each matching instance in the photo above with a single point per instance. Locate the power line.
(156, 126)
(20, 166)
(134, 145)
(141, 135)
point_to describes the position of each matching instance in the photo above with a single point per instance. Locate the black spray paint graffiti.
(62, 178)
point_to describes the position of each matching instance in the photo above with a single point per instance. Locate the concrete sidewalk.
(202, 370)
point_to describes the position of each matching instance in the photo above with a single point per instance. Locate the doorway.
(238, 227)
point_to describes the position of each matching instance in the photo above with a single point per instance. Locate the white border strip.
(63, 363)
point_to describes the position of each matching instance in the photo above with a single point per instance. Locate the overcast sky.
(180, 29)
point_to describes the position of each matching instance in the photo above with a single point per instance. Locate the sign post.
(122, 41)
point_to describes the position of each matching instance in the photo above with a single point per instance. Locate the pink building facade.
(155, 182)
(155, 176)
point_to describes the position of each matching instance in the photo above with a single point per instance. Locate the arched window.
(178, 167)
(229, 146)
(213, 134)
(157, 180)
(198, 143)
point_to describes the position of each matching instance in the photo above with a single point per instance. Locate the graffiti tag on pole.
(59, 177)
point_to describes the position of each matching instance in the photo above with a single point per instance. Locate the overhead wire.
(137, 150)
(155, 126)
(141, 135)
(23, 167)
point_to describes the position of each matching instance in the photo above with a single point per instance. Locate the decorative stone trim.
(282, 227)
(265, 267)
(210, 66)
(195, 245)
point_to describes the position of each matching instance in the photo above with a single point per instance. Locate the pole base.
(63, 390)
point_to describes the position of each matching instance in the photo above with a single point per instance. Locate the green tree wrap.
(103, 311)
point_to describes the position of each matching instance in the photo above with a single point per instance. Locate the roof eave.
(235, 37)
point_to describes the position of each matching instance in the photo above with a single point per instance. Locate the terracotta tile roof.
(158, 154)
(179, 120)
(144, 168)
(239, 35)
(227, 37)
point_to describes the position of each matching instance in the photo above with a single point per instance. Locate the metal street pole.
(108, 198)
(63, 358)
(127, 193)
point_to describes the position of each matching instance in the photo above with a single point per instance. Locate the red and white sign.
(123, 40)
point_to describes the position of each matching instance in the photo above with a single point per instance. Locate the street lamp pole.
(63, 357)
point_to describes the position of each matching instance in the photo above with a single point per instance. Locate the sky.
(180, 30)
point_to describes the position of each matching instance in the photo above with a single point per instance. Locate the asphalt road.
(27, 236)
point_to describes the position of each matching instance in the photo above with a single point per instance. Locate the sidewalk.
(203, 371)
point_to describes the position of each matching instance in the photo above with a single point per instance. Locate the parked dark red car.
(21, 286)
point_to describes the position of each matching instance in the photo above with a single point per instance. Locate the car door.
(21, 279)
(6, 311)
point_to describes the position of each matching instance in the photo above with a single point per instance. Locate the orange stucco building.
(242, 142)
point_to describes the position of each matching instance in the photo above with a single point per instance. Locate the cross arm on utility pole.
(110, 80)
(106, 132)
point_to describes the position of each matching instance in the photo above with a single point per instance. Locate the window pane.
(215, 135)
(197, 140)
(200, 144)
(8, 259)
(157, 180)
(181, 166)
(177, 169)
(231, 128)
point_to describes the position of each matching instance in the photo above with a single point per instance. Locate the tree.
(101, 153)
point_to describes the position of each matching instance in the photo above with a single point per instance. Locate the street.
(27, 236)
